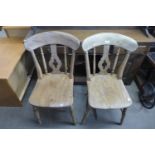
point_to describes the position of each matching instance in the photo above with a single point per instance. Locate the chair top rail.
(115, 39)
(51, 37)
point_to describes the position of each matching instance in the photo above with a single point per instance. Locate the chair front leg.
(123, 115)
(73, 115)
(37, 114)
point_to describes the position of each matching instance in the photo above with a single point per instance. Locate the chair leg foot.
(88, 109)
(37, 114)
(73, 115)
(123, 115)
(95, 113)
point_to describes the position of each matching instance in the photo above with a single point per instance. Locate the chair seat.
(107, 92)
(53, 90)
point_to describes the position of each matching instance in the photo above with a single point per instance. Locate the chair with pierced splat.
(106, 89)
(54, 87)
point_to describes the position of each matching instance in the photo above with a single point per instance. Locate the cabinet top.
(82, 33)
(11, 50)
(133, 33)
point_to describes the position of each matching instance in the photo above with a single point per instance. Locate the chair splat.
(55, 63)
(104, 63)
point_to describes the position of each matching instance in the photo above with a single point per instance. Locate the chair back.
(44, 48)
(109, 43)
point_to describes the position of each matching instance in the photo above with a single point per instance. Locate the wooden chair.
(54, 87)
(106, 89)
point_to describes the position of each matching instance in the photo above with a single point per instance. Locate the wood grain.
(14, 76)
(115, 39)
(104, 59)
(105, 40)
(122, 67)
(51, 38)
(18, 78)
(107, 92)
(106, 89)
(7, 96)
(44, 61)
(53, 90)
(55, 59)
(16, 31)
(116, 59)
(10, 53)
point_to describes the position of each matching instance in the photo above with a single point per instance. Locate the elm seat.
(107, 92)
(53, 90)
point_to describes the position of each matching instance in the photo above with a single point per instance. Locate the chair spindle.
(39, 71)
(43, 59)
(72, 64)
(122, 67)
(94, 61)
(65, 59)
(116, 60)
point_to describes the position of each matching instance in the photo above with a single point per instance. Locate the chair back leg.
(37, 114)
(73, 115)
(87, 111)
(123, 115)
(95, 113)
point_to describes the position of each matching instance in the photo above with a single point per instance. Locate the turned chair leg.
(37, 114)
(95, 113)
(123, 115)
(73, 114)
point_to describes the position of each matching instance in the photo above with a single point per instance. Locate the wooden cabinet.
(15, 71)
